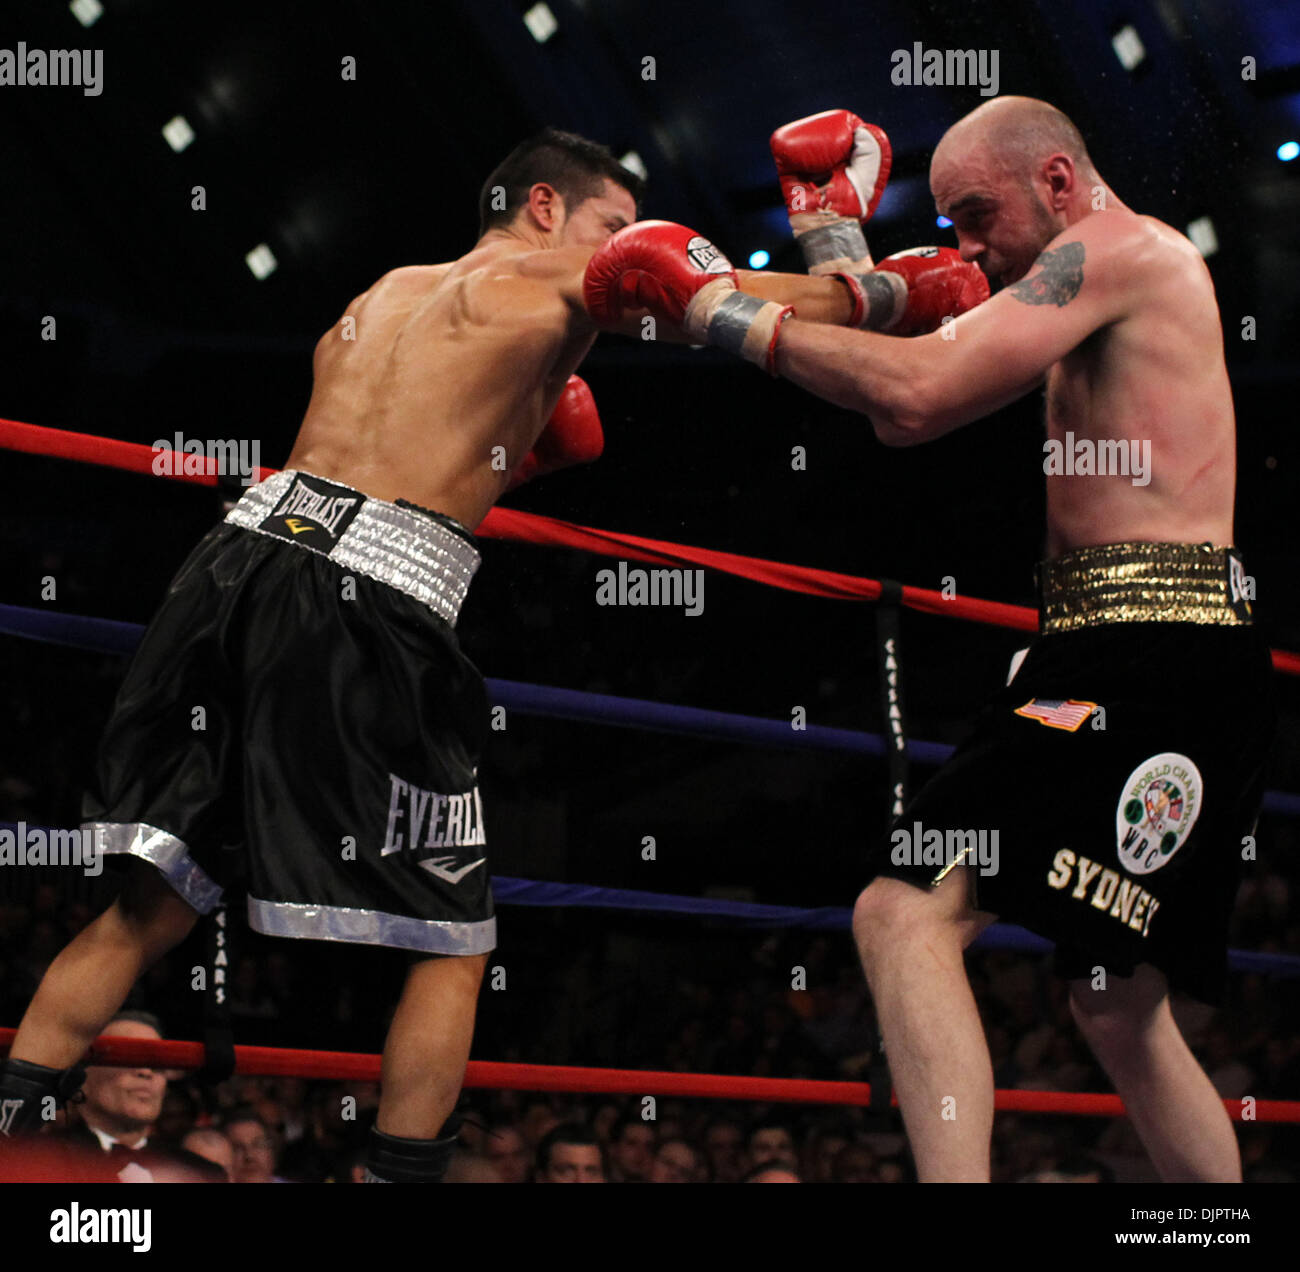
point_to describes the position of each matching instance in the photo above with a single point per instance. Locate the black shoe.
(31, 1095)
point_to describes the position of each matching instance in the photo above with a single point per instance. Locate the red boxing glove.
(680, 277)
(572, 436)
(833, 169)
(912, 292)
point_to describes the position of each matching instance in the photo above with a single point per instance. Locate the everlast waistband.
(424, 554)
(1143, 583)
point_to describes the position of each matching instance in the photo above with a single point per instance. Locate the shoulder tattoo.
(1058, 280)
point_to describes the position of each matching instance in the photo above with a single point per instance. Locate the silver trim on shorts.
(405, 549)
(163, 850)
(371, 927)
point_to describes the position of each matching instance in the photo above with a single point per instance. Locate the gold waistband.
(1143, 583)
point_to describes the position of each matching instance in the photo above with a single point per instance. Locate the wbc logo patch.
(1158, 807)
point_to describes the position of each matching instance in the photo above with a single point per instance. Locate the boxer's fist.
(572, 436)
(680, 277)
(654, 265)
(939, 285)
(833, 168)
(832, 163)
(912, 292)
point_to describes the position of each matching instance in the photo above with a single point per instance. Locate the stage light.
(759, 259)
(541, 22)
(261, 260)
(1288, 151)
(1201, 232)
(634, 163)
(178, 132)
(87, 12)
(1128, 47)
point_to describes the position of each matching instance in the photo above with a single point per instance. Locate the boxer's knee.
(892, 918)
(886, 912)
(1117, 1013)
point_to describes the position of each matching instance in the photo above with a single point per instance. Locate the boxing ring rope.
(511, 524)
(109, 636)
(545, 700)
(544, 894)
(346, 1066)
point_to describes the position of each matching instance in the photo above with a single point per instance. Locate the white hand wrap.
(725, 318)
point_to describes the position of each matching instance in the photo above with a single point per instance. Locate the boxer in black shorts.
(1105, 794)
(1118, 842)
(315, 630)
(341, 725)
(1123, 843)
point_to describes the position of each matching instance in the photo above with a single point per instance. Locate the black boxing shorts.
(1107, 796)
(301, 696)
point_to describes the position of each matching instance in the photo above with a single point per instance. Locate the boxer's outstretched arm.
(819, 300)
(917, 389)
(822, 299)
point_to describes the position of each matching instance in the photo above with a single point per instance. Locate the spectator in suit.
(118, 1114)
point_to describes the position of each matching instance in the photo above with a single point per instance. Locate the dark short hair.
(724, 1119)
(244, 1113)
(621, 1123)
(567, 1133)
(141, 1018)
(575, 166)
(769, 1124)
(771, 1164)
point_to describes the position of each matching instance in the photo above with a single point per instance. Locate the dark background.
(161, 327)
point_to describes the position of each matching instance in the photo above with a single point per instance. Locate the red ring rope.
(345, 1066)
(510, 523)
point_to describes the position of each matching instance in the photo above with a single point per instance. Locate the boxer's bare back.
(436, 366)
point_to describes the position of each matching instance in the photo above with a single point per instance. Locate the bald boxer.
(342, 724)
(1123, 763)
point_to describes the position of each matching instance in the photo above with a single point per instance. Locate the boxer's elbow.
(905, 416)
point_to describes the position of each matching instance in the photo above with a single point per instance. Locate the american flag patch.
(1057, 713)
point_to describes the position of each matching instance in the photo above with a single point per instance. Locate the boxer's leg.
(428, 1045)
(1177, 1113)
(79, 993)
(91, 978)
(911, 944)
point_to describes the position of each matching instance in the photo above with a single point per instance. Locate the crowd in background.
(604, 989)
(735, 1012)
